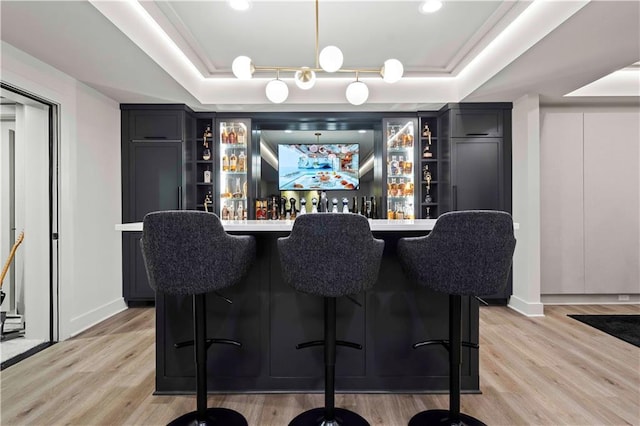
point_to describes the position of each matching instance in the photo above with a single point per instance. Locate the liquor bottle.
(354, 207)
(208, 199)
(303, 206)
(232, 213)
(393, 192)
(293, 212)
(274, 207)
(324, 203)
(314, 205)
(401, 187)
(225, 162)
(207, 175)
(240, 210)
(232, 136)
(242, 135)
(363, 207)
(409, 141)
(428, 213)
(374, 208)
(334, 205)
(224, 136)
(394, 165)
(225, 212)
(238, 191)
(408, 167)
(283, 208)
(345, 205)
(401, 165)
(399, 211)
(233, 162)
(368, 212)
(242, 162)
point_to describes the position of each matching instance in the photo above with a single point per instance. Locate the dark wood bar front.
(269, 318)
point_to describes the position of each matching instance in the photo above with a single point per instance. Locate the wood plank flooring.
(533, 371)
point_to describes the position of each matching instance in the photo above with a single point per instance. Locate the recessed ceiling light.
(240, 4)
(430, 6)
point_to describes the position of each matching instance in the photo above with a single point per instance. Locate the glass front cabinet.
(234, 143)
(400, 171)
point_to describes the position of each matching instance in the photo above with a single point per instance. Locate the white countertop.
(286, 225)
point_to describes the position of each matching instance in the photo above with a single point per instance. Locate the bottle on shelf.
(334, 205)
(408, 167)
(225, 162)
(283, 208)
(224, 137)
(232, 136)
(399, 211)
(324, 203)
(225, 212)
(232, 213)
(303, 206)
(314, 205)
(208, 199)
(401, 165)
(293, 212)
(242, 162)
(401, 188)
(233, 162)
(393, 169)
(238, 191)
(207, 175)
(363, 207)
(242, 135)
(240, 210)
(354, 207)
(345, 205)
(374, 208)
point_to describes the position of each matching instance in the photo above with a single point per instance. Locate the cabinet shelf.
(232, 199)
(428, 204)
(429, 160)
(233, 145)
(401, 150)
(410, 176)
(208, 162)
(234, 173)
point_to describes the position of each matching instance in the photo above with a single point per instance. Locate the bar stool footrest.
(208, 343)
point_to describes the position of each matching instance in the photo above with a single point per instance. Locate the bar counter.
(269, 318)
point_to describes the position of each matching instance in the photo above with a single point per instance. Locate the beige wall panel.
(611, 178)
(561, 204)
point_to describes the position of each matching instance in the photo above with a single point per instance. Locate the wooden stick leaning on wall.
(11, 254)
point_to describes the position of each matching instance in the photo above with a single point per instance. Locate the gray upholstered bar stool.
(468, 253)
(343, 243)
(189, 253)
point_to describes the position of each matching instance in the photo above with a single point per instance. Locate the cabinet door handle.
(454, 189)
(179, 198)
(155, 137)
(477, 134)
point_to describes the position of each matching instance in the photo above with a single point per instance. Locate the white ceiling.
(181, 51)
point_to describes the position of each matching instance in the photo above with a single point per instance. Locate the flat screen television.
(326, 167)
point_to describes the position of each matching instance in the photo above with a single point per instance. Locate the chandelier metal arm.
(317, 69)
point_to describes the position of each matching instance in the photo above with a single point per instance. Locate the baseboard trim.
(589, 299)
(526, 308)
(95, 316)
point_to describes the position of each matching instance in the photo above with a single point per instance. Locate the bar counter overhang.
(269, 318)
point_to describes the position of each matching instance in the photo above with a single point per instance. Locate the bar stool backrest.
(330, 254)
(466, 253)
(188, 252)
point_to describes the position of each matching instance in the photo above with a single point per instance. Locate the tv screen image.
(326, 167)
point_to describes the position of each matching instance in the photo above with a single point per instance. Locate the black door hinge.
(54, 236)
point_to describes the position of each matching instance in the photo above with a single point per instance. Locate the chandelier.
(328, 60)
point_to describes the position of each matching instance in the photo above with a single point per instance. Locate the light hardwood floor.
(533, 371)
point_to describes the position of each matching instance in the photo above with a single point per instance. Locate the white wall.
(90, 273)
(526, 205)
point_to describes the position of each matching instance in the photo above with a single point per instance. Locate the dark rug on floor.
(624, 327)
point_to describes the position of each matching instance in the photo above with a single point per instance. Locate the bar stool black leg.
(329, 415)
(452, 416)
(204, 416)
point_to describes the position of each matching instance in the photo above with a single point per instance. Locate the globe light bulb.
(357, 93)
(330, 59)
(305, 78)
(392, 70)
(277, 91)
(242, 68)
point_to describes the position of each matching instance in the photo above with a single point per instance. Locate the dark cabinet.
(475, 162)
(477, 180)
(155, 178)
(134, 273)
(155, 124)
(157, 142)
